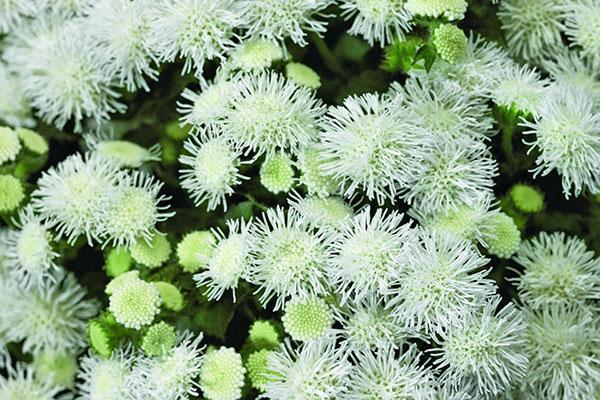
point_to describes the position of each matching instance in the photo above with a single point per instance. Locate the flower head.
(135, 303)
(211, 170)
(377, 20)
(33, 141)
(152, 254)
(257, 367)
(567, 135)
(303, 75)
(14, 11)
(279, 19)
(208, 107)
(121, 30)
(484, 353)
(172, 376)
(562, 345)
(29, 254)
(21, 382)
(72, 195)
(582, 26)
(133, 208)
(440, 281)
(527, 199)
(195, 30)
(270, 113)
(195, 249)
(288, 257)
(532, 27)
(159, 339)
(277, 174)
(263, 334)
(171, 296)
(222, 375)
(14, 107)
(365, 253)
(521, 88)
(12, 193)
(102, 378)
(368, 143)
(56, 366)
(9, 145)
(501, 235)
(228, 262)
(312, 174)
(558, 269)
(322, 211)
(383, 375)
(451, 9)
(254, 55)
(314, 371)
(51, 316)
(123, 153)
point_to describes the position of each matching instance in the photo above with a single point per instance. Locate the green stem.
(330, 60)
(255, 203)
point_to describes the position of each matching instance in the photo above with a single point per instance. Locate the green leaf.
(214, 318)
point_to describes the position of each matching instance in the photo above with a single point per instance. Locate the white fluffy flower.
(52, 316)
(211, 170)
(171, 376)
(20, 382)
(370, 144)
(365, 253)
(288, 257)
(104, 378)
(567, 135)
(71, 195)
(568, 67)
(228, 261)
(383, 375)
(29, 255)
(484, 353)
(280, 19)
(195, 30)
(207, 107)
(521, 88)
(532, 27)
(63, 75)
(444, 108)
(377, 20)
(452, 173)
(121, 29)
(317, 370)
(270, 113)
(583, 27)
(440, 280)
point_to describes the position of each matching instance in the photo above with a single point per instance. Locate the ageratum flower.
(532, 27)
(121, 30)
(277, 20)
(195, 30)
(288, 257)
(270, 113)
(377, 20)
(315, 370)
(102, 378)
(567, 134)
(370, 144)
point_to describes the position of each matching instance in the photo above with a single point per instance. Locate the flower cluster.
(299, 199)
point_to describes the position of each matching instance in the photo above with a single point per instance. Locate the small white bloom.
(583, 27)
(104, 378)
(521, 88)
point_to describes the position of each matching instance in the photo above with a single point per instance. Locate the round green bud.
(12, 193)
(135, 303)
(257, 367)
(117, 261)
(323, 211)
(254, 55)
(159, 339)
(450, 42)
(263, 335)
(450, 9)
(171, 297)
(222, 375)
(277, 174)
(152, 254)
(100, 339)
(195, 250)
(9, 145)
(33, 141)
(57, 367)
(526, 198)
(307, 319)
(117, 282)
(303, 75)
(502, 236)
(127, 154)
